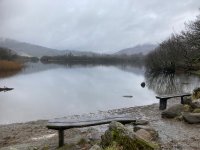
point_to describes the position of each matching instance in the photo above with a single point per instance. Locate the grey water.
(46, 91)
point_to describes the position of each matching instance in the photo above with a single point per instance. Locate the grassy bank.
(10, 66)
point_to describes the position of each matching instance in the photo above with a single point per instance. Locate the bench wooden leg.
(182, 100)
(163, 104)
(61, 137)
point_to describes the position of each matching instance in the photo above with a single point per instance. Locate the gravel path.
(173, 134)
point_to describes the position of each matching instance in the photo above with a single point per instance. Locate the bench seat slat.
(64, 123)
(172, 96)
(163, 99)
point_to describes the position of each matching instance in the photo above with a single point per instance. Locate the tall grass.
(9, 66)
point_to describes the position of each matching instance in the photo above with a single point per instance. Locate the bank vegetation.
(8, 60)
(180, 52)
(96, 59)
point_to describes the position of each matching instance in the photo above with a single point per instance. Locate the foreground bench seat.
(62, 124)
(163, 99)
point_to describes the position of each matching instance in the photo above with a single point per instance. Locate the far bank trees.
(179, 52)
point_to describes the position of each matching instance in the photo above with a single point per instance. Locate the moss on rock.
(197, 110)
(196, 93)
(187, 108)
(125, 138)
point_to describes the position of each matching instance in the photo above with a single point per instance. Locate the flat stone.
(196, 110)
(173, 111)
(192, 118)
(95, 147)
(148, 128)
(152, 131)
(195, 103)
(141, 122)
(141, 133)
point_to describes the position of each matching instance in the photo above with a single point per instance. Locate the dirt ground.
(173, 134)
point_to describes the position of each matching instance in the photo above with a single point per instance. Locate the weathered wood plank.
(61, 124)
(163, 104)
(163, 99)
(60, 138)
(172, 96)
(64, 123)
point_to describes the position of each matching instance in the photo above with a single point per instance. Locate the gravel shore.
(173, 134)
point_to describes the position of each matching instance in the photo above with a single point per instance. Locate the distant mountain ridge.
(32, 50)
(144, 49)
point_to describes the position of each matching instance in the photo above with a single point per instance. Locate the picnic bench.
(164, 98)
(62, 124)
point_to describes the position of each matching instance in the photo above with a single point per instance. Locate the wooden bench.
(62, 124)
(164, 98)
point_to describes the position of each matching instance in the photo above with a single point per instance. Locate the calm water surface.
(45, 91)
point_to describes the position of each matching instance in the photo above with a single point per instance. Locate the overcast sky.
(94, 25)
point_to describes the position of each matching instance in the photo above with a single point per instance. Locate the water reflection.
(51, 90)
(5, 74)
(171, 83)
(45, 91)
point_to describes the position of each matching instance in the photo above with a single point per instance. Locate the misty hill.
(32, 50)
(144, 49)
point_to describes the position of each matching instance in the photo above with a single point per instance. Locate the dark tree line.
(179, 52)
(96, 59)
(7, 54)
(10, 55)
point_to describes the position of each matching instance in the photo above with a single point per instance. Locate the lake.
(45, 91)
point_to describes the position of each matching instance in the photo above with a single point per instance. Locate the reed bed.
(10, 65)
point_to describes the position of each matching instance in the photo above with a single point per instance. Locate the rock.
(140, 122)
(95, 147)
(115, 129)
(118, 134)
(187, 108)
(129, 126)
(197, 110)
(192, 117)
(148, 128)
(144, 134)
(179, 118)
(143, 84)
(173, 111)
(196, 93)
(187, 100)
(94, 136)
(195, 103)
(153, 133)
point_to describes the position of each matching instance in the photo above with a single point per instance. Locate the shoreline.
(173, 134)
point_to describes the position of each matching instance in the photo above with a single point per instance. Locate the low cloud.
(94, 25)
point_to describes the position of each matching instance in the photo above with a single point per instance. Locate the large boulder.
(192, 117)
(118, 134)
(173, 111)
(195, 103)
